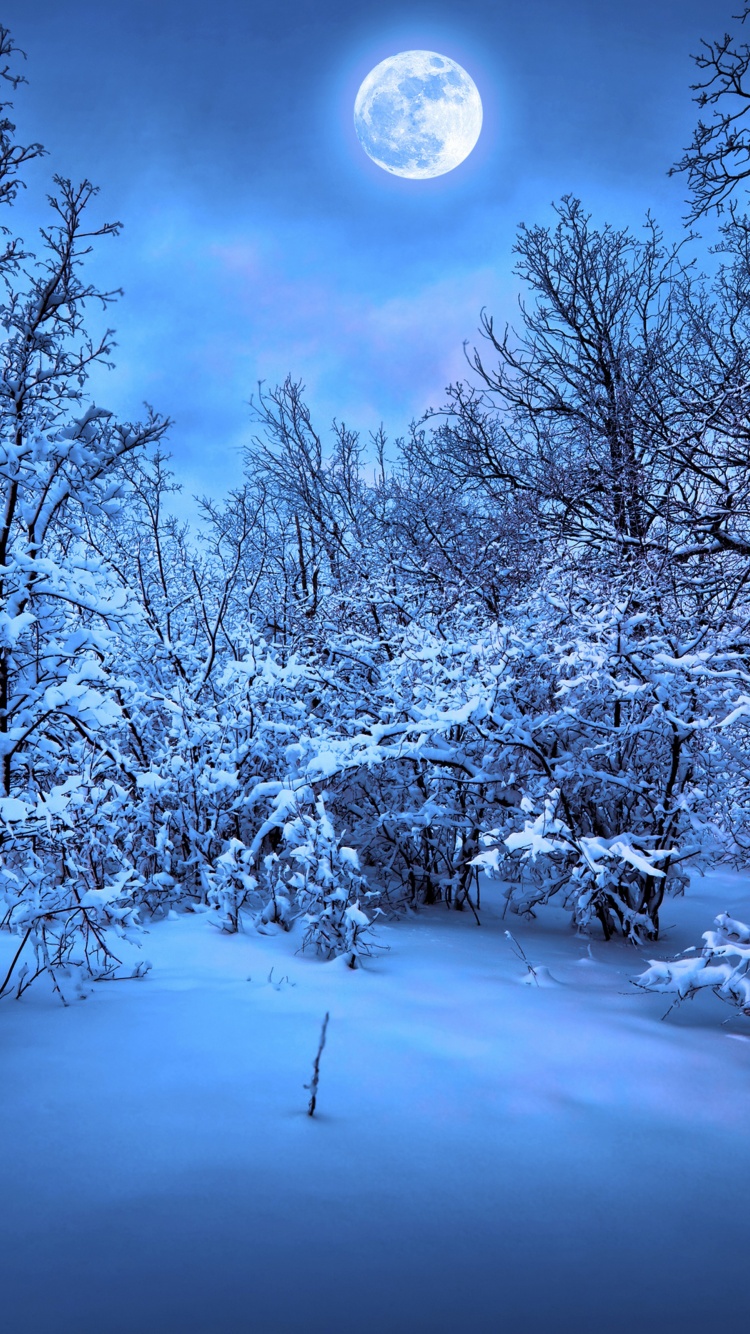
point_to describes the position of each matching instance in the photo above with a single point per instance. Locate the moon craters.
(418, 114)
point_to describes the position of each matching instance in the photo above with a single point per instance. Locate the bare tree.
(718, 159)
(12, 155)
(578, 411)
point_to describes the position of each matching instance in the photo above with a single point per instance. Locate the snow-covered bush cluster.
(516, 642)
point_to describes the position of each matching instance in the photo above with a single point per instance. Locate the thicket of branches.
(516, 642)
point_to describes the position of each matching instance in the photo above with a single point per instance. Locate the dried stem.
(313, 1085)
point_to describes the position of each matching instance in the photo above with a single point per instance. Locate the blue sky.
(260, 240)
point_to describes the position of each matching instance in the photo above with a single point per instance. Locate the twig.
(313, 1085)
(14, 962)
(519, 951)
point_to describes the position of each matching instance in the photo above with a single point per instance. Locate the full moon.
(418, 114)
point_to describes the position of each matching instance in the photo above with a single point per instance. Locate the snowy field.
(488, 1155)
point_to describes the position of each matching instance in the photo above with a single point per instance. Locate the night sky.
(260, 240)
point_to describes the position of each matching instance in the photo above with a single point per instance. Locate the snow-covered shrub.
(68, 891)
(399, 741)
(592, 874)
(233, 885)
(315, 878)
(621, 733)
(723, 965)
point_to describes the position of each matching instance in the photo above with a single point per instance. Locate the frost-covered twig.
(521, 953)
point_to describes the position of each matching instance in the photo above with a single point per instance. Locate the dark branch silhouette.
(718, 159)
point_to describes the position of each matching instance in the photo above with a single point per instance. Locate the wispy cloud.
(206, 317)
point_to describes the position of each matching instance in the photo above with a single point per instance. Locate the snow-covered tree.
(64, 877)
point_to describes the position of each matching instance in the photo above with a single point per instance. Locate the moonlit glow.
(418, 114)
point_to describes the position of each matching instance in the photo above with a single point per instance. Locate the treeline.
(515, 642)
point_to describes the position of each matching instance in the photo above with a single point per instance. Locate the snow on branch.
(723, 966)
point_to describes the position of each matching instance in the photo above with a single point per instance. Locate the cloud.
(369, 346)
(208, 315)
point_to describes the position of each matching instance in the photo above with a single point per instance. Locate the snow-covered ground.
(488, 1155)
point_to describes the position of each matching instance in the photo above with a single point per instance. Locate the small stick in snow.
(519, 951)
(313, 1085)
